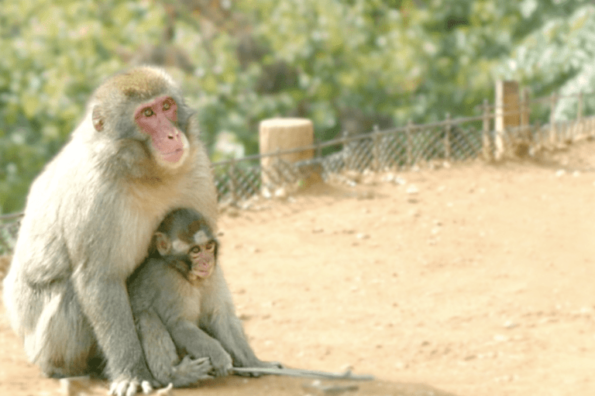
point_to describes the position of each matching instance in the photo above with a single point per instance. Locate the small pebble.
(412, 189)
(509, 324)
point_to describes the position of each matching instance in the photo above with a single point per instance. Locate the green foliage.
(347, 65)
(558, 57)
(53, 54)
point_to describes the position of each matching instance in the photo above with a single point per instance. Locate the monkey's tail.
(302, 373)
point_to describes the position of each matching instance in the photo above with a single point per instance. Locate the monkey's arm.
(188, 337)
(230, 333)
(221, 322)
(104, 300)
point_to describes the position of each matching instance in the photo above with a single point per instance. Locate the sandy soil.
(470, 281)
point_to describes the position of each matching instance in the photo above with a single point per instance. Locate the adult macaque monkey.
(88, 223)
(181, 305)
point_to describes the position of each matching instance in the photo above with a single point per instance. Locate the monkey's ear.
(162, 243)
(98, 118)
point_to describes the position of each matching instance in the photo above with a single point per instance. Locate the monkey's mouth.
(202, 272)
(173, 156)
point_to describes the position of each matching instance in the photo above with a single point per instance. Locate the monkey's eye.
(195, 250)
(148, 112)
(210, 246)
(166, 105)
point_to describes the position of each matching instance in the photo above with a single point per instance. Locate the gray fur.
(88, 222)
(175, 315)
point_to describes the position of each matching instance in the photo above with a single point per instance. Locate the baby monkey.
(183, 310)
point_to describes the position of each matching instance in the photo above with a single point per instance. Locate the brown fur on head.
(139, 83)
(145, 149)
(135, 84)
(121, 92)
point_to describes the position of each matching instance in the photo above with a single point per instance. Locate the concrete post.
(280, 134)
(507, 113)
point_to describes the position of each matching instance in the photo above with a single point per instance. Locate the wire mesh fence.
(453, 140)
(375, 151)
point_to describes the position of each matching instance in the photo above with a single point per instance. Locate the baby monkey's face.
(194, 255)
(202, 256)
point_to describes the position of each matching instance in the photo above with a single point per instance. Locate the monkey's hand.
(221, 362)
(189, 371)
(129, 386)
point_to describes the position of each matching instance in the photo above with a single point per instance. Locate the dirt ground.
(471, 281)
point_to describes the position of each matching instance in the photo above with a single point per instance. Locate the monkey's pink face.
(158, 120)
(203, 260)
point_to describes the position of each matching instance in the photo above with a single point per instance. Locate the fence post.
(507, 113)
(553, 131)
(579, 115)
(525, 114)
(538, 135)
(487, 146)
(376, 149)
(409, 143)
(233, 184)
(318, 148)
(277, 134)
(447, 129)
(347, 154)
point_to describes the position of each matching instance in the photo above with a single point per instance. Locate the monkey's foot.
(129, 387)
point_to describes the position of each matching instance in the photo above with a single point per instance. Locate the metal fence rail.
(390, 150)
(376, 151)
(397, 149)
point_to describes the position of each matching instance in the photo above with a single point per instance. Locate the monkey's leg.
(188, 337)
(162, 356)
(104, 301)
(63, 341)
